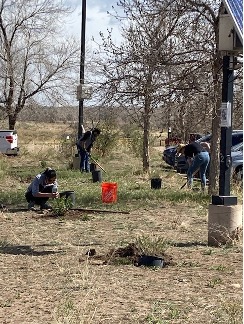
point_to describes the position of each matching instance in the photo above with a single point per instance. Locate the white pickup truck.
(9, 142)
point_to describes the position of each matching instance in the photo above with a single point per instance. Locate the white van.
(9, 142)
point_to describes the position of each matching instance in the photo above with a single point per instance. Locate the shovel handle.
(97, 164)
(186, 181)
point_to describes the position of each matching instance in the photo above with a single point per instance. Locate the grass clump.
(151, 245)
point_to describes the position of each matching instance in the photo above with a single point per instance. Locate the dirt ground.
(47, 276)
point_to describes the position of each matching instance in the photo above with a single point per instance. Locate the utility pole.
(226, 126)
(82, 67)
(224, 197)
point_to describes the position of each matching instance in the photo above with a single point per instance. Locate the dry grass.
(43, 280)
(47, 277)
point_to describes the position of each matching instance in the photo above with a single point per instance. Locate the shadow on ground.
(24, 250)
(189, 244)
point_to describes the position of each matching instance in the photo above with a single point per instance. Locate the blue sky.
(97, 19)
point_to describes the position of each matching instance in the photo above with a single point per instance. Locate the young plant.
(151, 245)
(60, 206)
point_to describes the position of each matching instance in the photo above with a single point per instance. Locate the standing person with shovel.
(198, 158)
(85, 144)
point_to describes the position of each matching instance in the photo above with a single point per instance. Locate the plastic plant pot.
(151, 261)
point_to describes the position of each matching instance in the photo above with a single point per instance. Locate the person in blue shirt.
(85, 144)
(43, 187)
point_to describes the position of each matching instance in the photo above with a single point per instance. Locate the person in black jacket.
(197, 158)
(85, 144)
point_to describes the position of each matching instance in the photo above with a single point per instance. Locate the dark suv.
(181, 164)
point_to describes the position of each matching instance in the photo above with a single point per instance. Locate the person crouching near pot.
(198, 158)
(43, 187)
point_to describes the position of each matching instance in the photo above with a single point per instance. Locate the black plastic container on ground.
(97, 176)
(156, 183)
(151, 261)
(93, 167)
(69, 194)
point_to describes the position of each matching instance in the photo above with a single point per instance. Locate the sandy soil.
(46, 276)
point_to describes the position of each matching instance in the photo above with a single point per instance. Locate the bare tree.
(169, 60)
(37, 64)
(207, 10)
(135, 74)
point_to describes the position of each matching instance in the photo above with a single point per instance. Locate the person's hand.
(54, 195)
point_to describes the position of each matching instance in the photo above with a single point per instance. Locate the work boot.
(31, 205)
(45, 206)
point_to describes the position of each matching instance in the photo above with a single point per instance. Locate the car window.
(205, 138)
(237, 138)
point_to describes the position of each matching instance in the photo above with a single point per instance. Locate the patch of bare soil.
(48, 276)
(129, 254)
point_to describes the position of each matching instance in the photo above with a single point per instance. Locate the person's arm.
(35, 189)
(83, 140)
(47, 194)
(188, 154)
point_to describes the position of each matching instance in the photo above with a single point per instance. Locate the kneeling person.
(43, 187)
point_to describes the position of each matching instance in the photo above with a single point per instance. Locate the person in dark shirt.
(85, 144)
(197, 158)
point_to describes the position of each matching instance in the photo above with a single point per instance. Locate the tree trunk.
(146, 155)
(11, 121)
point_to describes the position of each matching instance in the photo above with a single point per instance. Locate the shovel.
(186, 181)
(97, 164)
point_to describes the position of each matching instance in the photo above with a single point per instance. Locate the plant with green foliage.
(151, 245)
(60, 206)
(215, 281)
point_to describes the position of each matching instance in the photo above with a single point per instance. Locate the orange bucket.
(109, 192)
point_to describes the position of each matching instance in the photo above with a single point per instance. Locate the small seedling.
(219, 267)
(214, 282)
(85, 217)
(60, 206)
(208, 252)
(174, 312)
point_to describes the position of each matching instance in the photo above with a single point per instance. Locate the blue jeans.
(200, 161)
(84, 161)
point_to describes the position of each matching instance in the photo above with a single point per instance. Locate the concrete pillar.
(76, 162)
(224, 224)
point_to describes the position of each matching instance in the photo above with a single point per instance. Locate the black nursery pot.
(97, 176)
(151, 261)
(69, 194)
(93, 167)
(156, 183)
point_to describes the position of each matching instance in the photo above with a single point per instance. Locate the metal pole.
(82, 66)
(226, 132)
